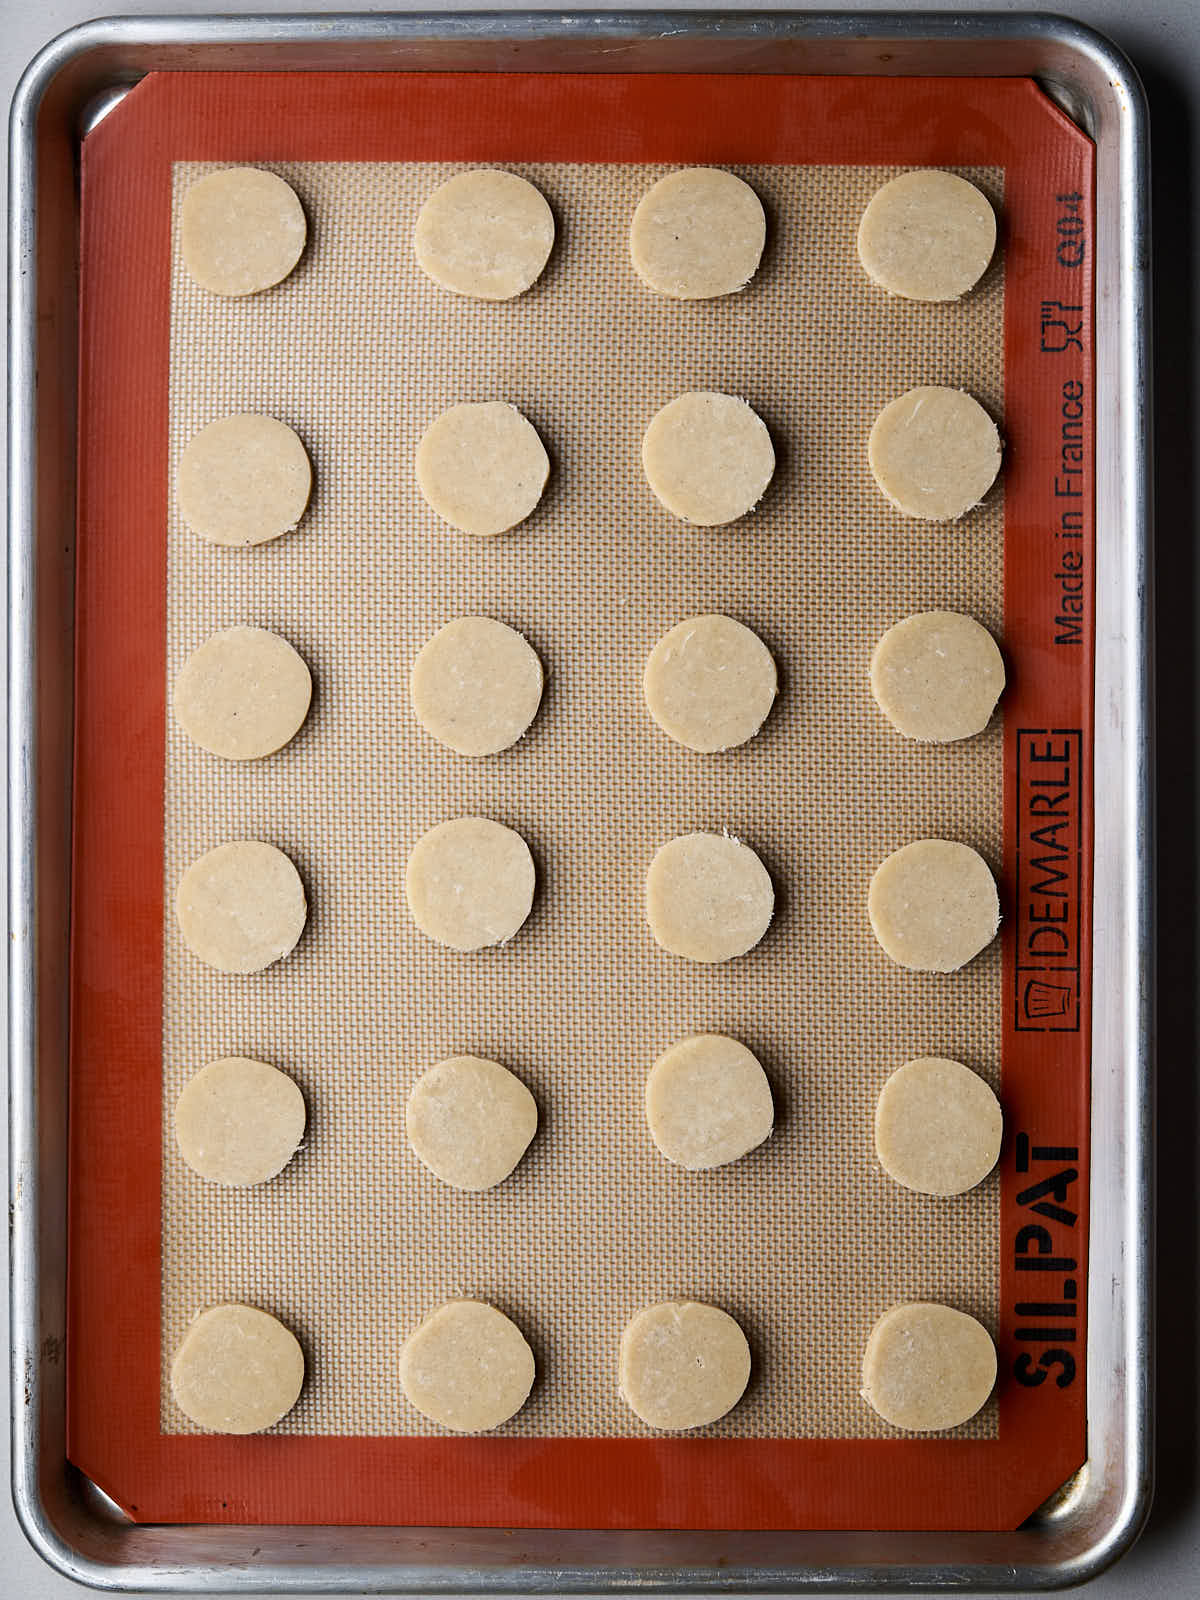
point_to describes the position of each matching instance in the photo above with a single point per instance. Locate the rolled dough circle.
(937, 1126)
(241, 906)
(485, 234)
(239, 1122)
(934, 452)
(933, 905)
(467, 1367)
(242, 694)
(708, 897)
(927, 236)
(937, 676)
(470, 882)
(470, 1121)
(697, 234)
(482, 467)
(928, 1367)
(476, 686)
(683, 1364)
(708, 1102)
(709, 683)
(241, 230)
(238, 1370)
(243, 480)
(708, 457)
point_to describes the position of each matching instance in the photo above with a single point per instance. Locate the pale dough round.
(933, 905)
(935, 453)
(708, 1102)
(485, 234)
(238, 1370)
(697, 234)
(243, 694)
(708, 897)
(241, 230)
(937, 676)
(708, 457)
(239, 1122)
(928, 1367)
(709, 683)
(476, 686)
(927, 236)
(470, 1121)
(482, 467)
(470, 883)
(467, 1367)
(243, 480)
(937, 1126)
(241, 906)
(683, 1364)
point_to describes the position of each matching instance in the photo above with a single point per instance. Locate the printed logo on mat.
(1049, 879)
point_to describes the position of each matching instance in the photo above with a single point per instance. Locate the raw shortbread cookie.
(683, 1364)
(470, 883)
(709, 683)
(935, 453)
(937, 1126)
(482, 467)
(928, 1367)
(476, 686)
(937, 676)
(708, 457)
(708, 897)
(708, 1102)
(243, 694)
(697, 234)
(927, 236)
(238, 1370)
(241, 906)
(467, 1367)
(241, 230)
(485, 234)
(243, 480)
(933, 905)
(470, 1121)
(239, 1122)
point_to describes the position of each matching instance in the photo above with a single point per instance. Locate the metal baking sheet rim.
(72, 1525)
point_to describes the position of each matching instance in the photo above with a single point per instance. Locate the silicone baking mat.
(806, 1241)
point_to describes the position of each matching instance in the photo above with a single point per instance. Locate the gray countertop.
(1163, 39)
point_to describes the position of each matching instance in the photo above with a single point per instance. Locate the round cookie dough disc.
(935, 453)
(470, 883)
(683, 1364)
(239, 1122)
(709, 683)
(241, 230)
(476, 686)
(484, 234)
(241, 906)
(467, 1367)
(708, 897)
(470, 1121)
(937, 1126)
(243, 480)
(933, 905)
(937, 676)
(243, 694)
(708, 457)
(927, 236)
(482, 467)
(238, 1370)
(928, 1367)
(697, 234)
(708, 1102)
